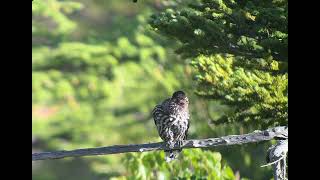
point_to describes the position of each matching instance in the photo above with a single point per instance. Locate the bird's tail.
(171, 155)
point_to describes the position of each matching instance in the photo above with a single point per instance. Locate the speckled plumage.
(171, 118)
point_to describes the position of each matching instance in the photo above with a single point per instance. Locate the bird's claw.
(180, 143)
(170, 145)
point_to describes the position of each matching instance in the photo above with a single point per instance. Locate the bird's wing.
(188, 125)
(159, 111)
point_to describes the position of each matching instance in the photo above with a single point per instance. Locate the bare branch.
(256, 136)
(277, 155)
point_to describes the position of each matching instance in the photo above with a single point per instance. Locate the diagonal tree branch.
(256, 136)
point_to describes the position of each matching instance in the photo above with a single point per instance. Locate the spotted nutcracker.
(172, 120)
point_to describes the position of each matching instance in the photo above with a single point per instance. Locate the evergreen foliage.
(239, 53)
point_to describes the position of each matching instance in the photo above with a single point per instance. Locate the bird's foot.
(180, 143)
(170, 145)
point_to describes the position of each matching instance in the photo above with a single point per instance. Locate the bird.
(171, 118)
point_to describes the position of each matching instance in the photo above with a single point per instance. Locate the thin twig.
(269, 164)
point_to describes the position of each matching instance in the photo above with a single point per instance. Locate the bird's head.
(180, 98)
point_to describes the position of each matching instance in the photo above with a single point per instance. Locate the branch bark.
(256, 136)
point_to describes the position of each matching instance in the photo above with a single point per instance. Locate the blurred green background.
(98, 69)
